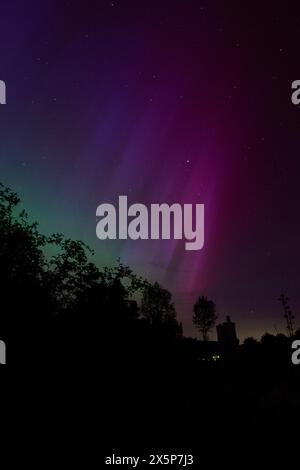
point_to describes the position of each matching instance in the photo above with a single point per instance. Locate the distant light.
(216, 357)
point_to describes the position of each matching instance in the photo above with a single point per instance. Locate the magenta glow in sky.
(186, 103)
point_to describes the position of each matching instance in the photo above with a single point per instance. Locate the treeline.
(98, 352)
(49, 283)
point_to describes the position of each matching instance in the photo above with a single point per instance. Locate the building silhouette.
(227, 337)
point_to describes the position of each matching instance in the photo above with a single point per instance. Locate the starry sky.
(163, 101)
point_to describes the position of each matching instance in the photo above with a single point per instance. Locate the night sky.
(163, 101)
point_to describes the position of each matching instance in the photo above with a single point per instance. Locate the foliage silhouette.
(204, 317)
(94, 349)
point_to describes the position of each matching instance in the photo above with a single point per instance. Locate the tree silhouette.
(204, 317)
(69, 272)
(22, 267)
(157, 306)
(287, 314)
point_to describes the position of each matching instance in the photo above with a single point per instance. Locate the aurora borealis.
(163, 102)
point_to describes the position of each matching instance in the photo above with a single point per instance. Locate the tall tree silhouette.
(204, 317)
(287, 314)
(22, 265)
